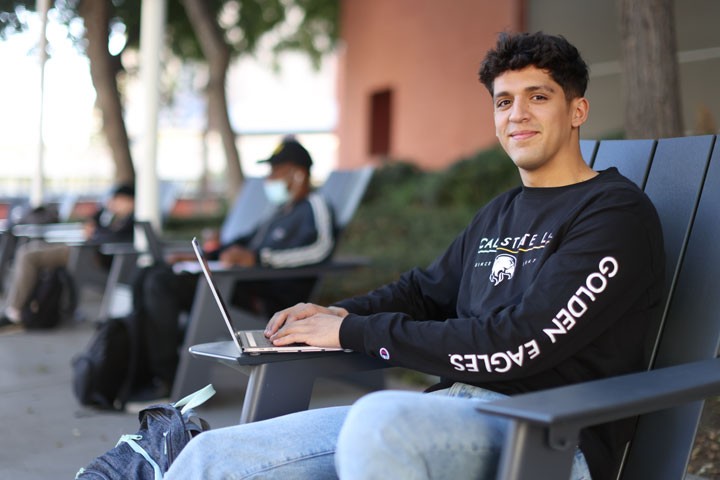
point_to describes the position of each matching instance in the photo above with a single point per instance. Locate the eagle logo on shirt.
(503, 268)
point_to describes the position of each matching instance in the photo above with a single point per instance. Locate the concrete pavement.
(46, 434)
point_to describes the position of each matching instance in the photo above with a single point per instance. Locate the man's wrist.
(339, 311)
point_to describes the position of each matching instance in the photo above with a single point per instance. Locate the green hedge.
(408, 217)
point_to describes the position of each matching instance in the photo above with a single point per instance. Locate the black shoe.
(8, 326)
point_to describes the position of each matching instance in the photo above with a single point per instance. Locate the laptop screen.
(216, 294)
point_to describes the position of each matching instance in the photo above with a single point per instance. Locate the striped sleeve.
(310, 254)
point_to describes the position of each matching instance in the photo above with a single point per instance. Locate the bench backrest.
(343, 190)
(250, 207)
(631, 157)
(588, 148)
(687, 197)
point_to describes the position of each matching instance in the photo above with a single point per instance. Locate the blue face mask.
(276, 191)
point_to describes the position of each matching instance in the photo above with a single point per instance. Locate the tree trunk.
(217, 54)
(651, 79)
(103, 71)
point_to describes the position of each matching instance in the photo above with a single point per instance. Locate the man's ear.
(580, 109)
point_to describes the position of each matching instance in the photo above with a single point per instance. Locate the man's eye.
(502, 103)
(539, 97)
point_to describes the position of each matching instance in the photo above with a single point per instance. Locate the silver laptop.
(252, 342)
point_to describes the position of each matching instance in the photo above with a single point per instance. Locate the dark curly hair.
(547, 52)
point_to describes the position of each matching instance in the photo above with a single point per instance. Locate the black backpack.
(165, 429)
(53, 298)
(105, 373)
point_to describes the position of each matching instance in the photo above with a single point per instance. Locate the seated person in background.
(555, 282)
(299, 233)
(112, 223)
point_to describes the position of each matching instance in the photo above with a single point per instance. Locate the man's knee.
(381, 415)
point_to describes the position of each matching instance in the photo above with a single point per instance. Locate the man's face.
(121, 205)
(283, 171)
(536, 124)
(292, 176)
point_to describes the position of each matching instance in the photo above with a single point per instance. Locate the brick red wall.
(427, 54)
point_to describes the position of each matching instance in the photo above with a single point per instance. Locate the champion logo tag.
(384, 354)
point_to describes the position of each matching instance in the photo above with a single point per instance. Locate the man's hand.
(237, 256)
(176, 257)
(306, 323)
(88, 228)
(300, 312)
(321, 330)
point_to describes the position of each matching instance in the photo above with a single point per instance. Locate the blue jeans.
(387, 434)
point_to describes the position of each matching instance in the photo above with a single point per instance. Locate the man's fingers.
(277, 321)
(320, 330)
(289, 315)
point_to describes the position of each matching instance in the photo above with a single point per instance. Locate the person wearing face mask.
(300, 232)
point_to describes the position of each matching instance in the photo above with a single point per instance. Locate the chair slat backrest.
(631, 157)
(588, 148)
(691, 331)
(673, 185)
(343, 190)
(250, 207)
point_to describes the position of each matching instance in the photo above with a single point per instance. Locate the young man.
(300, 232)
(552, 283)
(111, 224)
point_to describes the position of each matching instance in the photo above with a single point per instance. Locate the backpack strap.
(195, 399)
(131, 440)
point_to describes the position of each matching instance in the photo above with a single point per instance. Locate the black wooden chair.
(669, 397)
(343, 190)
(682, 177)
(588, 148)
(248, 210)
(631, 157)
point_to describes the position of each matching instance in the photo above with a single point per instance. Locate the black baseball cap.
(290, 151)
(124, 189)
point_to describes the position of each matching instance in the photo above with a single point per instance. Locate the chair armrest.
(336, 265)
(227, 352)
(205, 324)
(546, 424)
(282, 383)
(128, 248)
(51, 232)
(124, 248)
(614, 398)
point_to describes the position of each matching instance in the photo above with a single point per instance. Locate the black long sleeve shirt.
(545, 287)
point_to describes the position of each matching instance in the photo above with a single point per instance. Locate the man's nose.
(518, 111)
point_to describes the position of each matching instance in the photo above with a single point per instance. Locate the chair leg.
(8, 242)
(274, 391)
(279, 388)
(205, 324)
(527, 452)
(117, 286)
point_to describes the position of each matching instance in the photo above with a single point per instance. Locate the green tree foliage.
(213, 31)
(243, 22)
